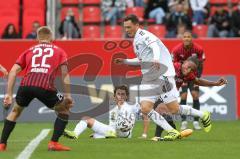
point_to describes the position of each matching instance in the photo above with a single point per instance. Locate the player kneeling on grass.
(121, 119)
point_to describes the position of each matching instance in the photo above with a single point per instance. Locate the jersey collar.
(121, 105)
(137, 35)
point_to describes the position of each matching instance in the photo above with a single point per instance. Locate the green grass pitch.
(221, 143)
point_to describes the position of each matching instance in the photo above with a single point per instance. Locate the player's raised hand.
(7, 101)
(221, 81)
(119, 61)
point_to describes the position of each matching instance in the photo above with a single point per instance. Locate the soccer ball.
(124, 124)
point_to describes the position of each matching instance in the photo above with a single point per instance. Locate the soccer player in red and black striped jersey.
(40, 63)
(180, 53)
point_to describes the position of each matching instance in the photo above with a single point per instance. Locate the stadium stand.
(69, 2)
(113, 31)
(218, 1)
(200, 30)
(13, 4)
(91, 2)
(75, 11)
(38, 4)
(31, 15)
(9, 15)
(139, 11)
(91, 14)
(91, 32)
(158, 30)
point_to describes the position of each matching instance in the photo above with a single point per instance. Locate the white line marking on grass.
(26, 153)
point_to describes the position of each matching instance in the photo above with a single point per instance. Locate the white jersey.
(126, 111)
(148, 48)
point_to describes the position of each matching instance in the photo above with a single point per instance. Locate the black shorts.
(26, 94)
(191, 86)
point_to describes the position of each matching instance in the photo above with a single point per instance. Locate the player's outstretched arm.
(11, 82)
(203, 82)
(4, 71)
(66, 84)
(120, 61)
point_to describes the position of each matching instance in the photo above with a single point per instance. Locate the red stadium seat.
(8, 16)
(200, 30)
(75, 11)
(91, 31)
(151, 21)
(91, 15)
(71, 2)
(158, 30)
(214, 9)
(218, 1)
(31, 15)
(38, 4)
(91, 2)
(13, 4)
(138, 11)
(235, 1)
(113, 31)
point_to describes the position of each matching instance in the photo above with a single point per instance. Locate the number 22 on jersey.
(41, 54)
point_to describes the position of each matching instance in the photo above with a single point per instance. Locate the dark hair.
(132, 17)
(7, 28)
(122, 87)
(194, 59)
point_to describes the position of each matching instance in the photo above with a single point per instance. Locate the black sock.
(183, 102)
(59, 126)
(196, 105)
(7, 129)
(159, 129)
(172, 124)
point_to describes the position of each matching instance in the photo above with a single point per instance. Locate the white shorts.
(163, 88)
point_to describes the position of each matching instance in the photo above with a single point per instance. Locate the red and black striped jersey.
(41, 63)
(180, 78)
(180, 53)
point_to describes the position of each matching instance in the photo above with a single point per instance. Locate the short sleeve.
(63, 58)
(21, 61)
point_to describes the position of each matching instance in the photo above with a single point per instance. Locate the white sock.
(80, 127)
(98, 136)
(98, 128)
(159, 120)
(187, 110)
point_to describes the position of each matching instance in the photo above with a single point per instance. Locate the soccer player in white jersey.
(149, 49)
(121, 119)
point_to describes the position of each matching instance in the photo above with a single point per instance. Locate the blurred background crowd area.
(93, 19)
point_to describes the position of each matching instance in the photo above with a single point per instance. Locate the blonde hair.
(45, 34)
